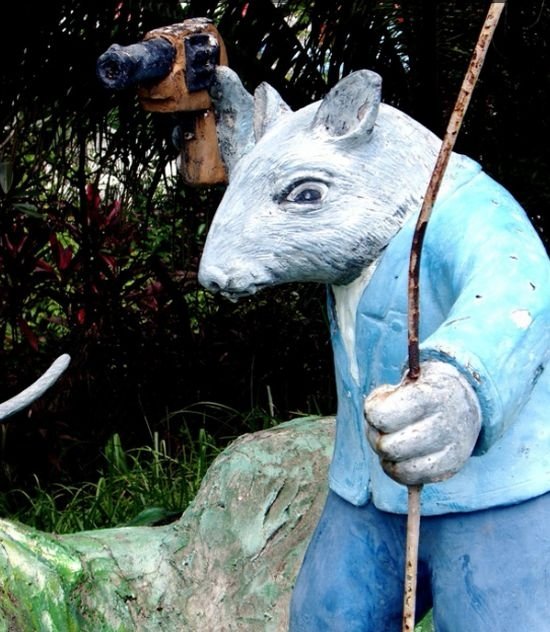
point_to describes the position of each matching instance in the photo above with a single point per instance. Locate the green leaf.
(153, 516)
(6, 176)
(28, 209)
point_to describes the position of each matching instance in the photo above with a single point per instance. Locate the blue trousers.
(485, 571)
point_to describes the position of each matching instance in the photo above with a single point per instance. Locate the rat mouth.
(235, 294)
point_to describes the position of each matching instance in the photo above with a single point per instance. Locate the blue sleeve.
(484, 258)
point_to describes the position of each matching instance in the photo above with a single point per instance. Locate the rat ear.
(268, 108)
(350, 109)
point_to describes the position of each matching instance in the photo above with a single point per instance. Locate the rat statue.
(329, 194)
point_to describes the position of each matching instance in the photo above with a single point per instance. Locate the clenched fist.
(425, 430)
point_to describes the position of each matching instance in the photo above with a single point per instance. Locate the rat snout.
(213, 278)
(231, 282)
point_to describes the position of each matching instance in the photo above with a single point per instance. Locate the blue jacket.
(485, 308)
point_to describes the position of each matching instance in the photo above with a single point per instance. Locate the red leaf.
(53, 241)
(14, 248)
(113, 213)
(109, 261)
(30, 336)
(81, 316)
(150, 302)
(94, 201)
(65, 257)
(43, 266)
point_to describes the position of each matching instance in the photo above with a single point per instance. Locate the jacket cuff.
(472, 368)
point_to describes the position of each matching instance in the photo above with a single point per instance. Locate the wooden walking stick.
(453, 127)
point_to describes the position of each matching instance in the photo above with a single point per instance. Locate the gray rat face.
(315, 199)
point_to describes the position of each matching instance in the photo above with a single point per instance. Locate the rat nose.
(213, 278)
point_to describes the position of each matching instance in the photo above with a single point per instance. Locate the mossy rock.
(229, 563)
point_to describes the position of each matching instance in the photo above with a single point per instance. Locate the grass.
(143, 486)
(426, 625)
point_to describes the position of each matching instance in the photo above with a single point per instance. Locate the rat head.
(314, 195)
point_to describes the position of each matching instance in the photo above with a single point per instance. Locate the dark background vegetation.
(100, 241)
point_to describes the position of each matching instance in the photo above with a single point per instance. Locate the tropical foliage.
(100, 241)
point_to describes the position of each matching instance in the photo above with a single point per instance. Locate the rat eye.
(310, 192)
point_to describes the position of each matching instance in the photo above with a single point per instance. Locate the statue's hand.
(424, 431)
(234, 108)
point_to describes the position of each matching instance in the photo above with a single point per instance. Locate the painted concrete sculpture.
(329, 194)
(36, 389)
